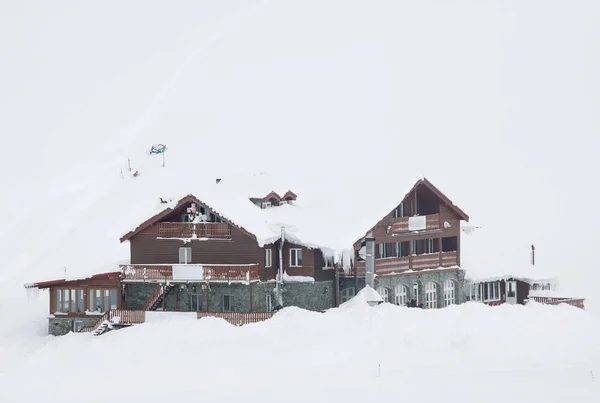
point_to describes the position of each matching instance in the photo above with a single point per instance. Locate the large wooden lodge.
(191, 258)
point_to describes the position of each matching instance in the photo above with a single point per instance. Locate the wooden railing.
(212, 272)
(238, 318)
(414, 262)
(128, 317)
(400, 224)
(194, 230)
(154, 297)
(578, 302)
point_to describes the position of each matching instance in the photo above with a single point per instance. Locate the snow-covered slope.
(352, 354)
(362, 96)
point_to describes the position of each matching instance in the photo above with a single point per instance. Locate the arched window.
(431, 295)
(449, 293)
(347, 294)
(384, 294)
(401, 295)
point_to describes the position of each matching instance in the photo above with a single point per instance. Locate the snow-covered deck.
(189, 272)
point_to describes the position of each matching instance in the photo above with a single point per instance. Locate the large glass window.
(384, 293)
(347, 294)
(449, 293)
(401, 295)
(431, 295)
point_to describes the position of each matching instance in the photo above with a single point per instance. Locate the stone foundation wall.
(59, 326)
(421, 279)
(192, 296)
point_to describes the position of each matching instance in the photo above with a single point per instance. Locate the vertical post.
(250, 296)
(410, 254)
(440, 247)
(336, 301)
(206, 287)
(370, 262)
(533, 255)
(129, 164)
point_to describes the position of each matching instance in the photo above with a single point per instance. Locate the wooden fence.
(125, 316)
(577, 302)
(238, 318)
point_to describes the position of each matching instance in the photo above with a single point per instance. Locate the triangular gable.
(166, 212)
(436, 192)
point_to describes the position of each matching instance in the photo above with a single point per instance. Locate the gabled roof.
(167, 211)
(334, 211)
(65, 281)
(441, 196)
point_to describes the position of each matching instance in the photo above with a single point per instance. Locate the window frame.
(493, 286)
(384, 293)
(268, 258)
(297, 256)
(449, 293)
(187, 254)
(401, 295)
(431, 289)
(347, 294)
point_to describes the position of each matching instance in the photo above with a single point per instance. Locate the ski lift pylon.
(158, 149)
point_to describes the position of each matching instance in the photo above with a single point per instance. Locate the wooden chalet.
(417, 251)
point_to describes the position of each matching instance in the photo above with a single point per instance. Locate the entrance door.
(511, 292)
(196, 302)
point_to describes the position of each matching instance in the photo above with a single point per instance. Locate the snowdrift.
(350, 354)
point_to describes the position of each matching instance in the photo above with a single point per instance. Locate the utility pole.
(129, 164)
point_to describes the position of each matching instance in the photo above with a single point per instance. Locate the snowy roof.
(329, 216)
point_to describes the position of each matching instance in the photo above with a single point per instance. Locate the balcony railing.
(189, 272)
(578, 302)
(418, 223)
(414, 262)
(194, 230)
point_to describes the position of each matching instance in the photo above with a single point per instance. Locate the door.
(196, 302)
(511, 292)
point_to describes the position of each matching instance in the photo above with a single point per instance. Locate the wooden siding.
(308, 261)
(240, 249)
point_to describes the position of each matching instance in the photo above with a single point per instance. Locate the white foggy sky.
(495, 101)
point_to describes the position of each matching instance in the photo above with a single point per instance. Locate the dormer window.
(265, 204)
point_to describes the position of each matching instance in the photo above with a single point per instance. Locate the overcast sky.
(496, 102)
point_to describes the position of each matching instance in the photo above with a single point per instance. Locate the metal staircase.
(156, 300)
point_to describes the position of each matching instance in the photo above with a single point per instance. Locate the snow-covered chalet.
(250, 246)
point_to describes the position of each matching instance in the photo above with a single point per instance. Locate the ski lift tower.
(159, 149)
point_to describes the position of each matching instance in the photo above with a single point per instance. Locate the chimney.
(370, 262)
(533, 255)
(218, 180)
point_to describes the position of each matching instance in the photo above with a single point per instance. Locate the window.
(475, 292)
(347, 294)
(265, 204)
(69, 301)
(185, 255)
(430, 246)
(511, 291)
(186, 217)
(268, 303)
(431, 295)
(386, 250)
(491, 291)
(102, 300)
(384, 293)
(449, 293)
(268, 257)
(295, 257)
(401, 295)
(415, 293)
(227, 303)
(450, 244)
(419, 246)
(399, 211)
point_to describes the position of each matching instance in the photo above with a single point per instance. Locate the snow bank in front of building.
(300, 354)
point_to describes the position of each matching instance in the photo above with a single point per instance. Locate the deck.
(209, 230)
(397, 265)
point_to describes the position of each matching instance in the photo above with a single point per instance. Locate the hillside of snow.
(355, 353)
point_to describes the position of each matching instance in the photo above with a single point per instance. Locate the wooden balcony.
(414, 262)
(189, 272)
(419, 223)
(210, 230)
